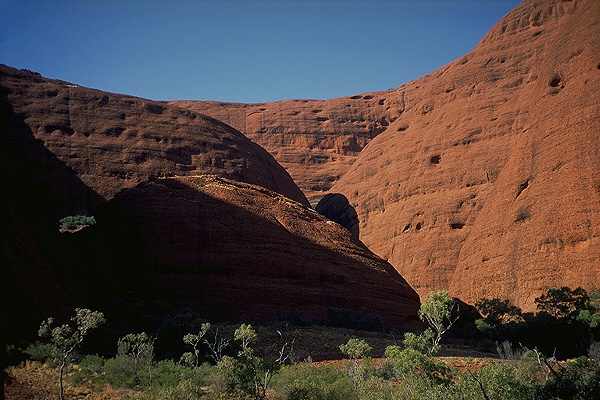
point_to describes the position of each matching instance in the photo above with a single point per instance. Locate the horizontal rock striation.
(62, 133)
(315, 140)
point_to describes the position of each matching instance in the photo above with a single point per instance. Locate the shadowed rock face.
(336, 207)
(489, 182)
(236, 251)
(29, 285)
(315, 140)
(231, 250)
(110, 142)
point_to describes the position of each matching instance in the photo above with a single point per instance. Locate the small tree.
(438, 312)
(194, 341)
(245, 334)
(248, 375)
(355, 349)
(217, 345)
(138, 349)
(66, 340)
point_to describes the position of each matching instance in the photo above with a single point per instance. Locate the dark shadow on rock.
(39, 189)
(165, 245)
(336, 207)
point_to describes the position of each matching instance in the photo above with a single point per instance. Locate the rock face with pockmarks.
(315, 140)
(481, 177)
(91, 144)
(238, 242)
(489, 182)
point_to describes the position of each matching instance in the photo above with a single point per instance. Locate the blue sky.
(241, 51)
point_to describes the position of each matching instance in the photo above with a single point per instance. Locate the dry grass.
(33, 380)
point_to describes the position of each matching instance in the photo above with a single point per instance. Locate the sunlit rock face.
(488, 182)
(315, 140)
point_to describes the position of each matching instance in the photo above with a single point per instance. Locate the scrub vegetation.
(221, 363)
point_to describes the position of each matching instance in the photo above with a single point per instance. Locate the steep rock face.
(60, 132)
(237, 251)
(488, 183)
(315, 140)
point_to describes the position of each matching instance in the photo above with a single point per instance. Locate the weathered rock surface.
(232, 250)
(488, 183)
(109, 142)
(237, 251)
(65, 149)
(315, 140)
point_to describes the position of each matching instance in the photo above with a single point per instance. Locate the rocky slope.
(242, 248)
(235, 251)
(489, 181)
(315, 140)
(91, 144)
(482, 176)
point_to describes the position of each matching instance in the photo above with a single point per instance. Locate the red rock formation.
(110, 142)
(315, 140)
(237, 251)
(488, 183)
(233, 250)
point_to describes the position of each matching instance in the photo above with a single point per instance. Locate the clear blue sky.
(243, 51)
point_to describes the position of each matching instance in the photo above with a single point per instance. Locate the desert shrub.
(167, 373)
(411, 362)
(374, 388)
(185, 389)
(578, 380)
(39, 351)
(90, 368)
(499, 381)
(74, 221)
(13, 355)
(118, 372)
(308, 382)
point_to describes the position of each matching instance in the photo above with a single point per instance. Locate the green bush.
(410, 362)
(579, 380)
(308, 382)
(118, 372)
(499, 381)
(167, 373)
(184, 390)
(90, 368)
(75, 221)
(13, 355)
(40, 352)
